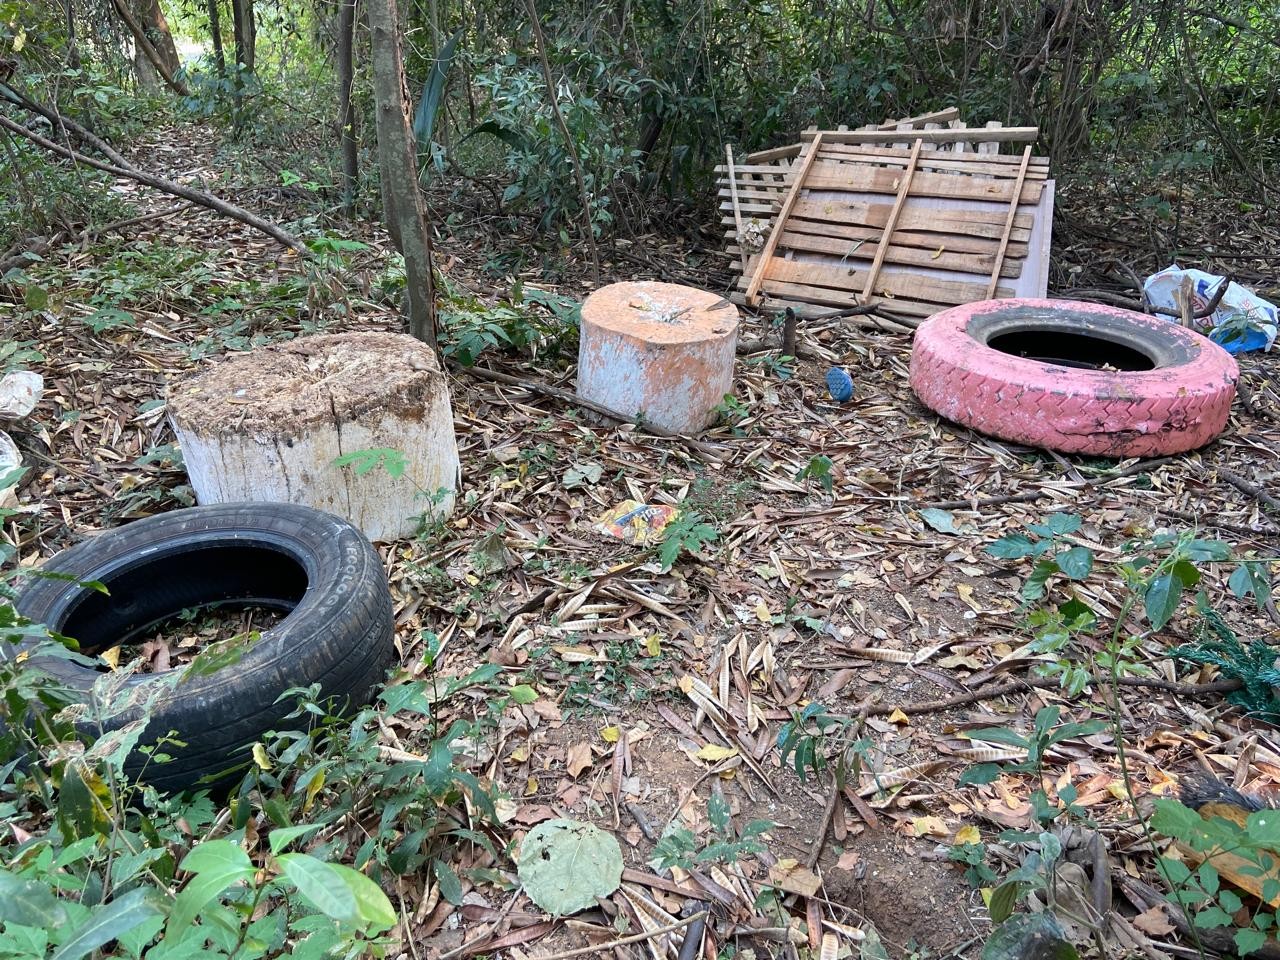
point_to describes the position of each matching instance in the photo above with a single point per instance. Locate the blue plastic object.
(1237, 341)
(839, 384)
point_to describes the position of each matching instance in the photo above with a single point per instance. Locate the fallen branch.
(1015, 686)
(546, 390)
(64, 123)
(130, 172)
(1269, 502)
(602, 948)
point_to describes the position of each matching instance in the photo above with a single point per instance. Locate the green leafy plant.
(1198, 889)
(686, 534)
(1158, 575)
(818, 468)
(678, 847)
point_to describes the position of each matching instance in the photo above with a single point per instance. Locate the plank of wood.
(780, 290)
(775, 153)
(811, 216)
(811, 311)
(879, 149)
(919, 216)
(733, 190)
(939, 258)
(857, 178)
(993, 135)
(904, 188)
(895, 284)
(797, 184)
(1013, 212)
(939, 243)
(986, 166)
(945, 115)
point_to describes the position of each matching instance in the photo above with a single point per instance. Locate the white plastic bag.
(1240, 323)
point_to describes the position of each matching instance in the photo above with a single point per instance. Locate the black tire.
(338, 631)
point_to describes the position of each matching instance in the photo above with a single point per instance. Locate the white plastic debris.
(20, 391)
(10, 460)
(1241, 322)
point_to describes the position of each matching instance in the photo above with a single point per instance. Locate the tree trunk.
(215, 34)
(346, 110)
(246, 33)
(402, 202)
(157, 28)
(166, 64)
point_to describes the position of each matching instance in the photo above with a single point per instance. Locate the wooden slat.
(855, 178)
(944, 115)
(984, 224)
(986, 166)
(904, 188)
(894, 284)
(977, 223)
(876, 150)
(939, 258)
(1008, 226)
(993, 135)
(797, 184)
(778, 290)
(843, 239)
(776, 153)
(733, 190)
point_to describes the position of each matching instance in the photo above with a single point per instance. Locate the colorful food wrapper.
(636, 522)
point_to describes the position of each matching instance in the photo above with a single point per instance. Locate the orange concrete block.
(657, 351)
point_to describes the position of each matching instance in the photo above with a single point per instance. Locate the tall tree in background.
(215, 34)
(397, 161)
(246, 33)
(346, 110)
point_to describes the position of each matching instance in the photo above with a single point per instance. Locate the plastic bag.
(635, 522)
(1242, 321)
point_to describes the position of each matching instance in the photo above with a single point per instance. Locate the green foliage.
(533, 322)
(424, 117)
(1159, 575)
(974, 858)
(818, 468)
(678, 847)
(361, 462)
(101, 859)
(686, 534)
(1253, 665)
(1199, 891)
(536, 158)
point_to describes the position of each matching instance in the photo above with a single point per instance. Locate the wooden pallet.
(922, 214)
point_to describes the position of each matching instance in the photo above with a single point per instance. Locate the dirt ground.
(656, 688)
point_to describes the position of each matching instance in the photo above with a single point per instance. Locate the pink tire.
(1075, 377)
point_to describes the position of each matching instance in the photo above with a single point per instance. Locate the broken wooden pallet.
(918, 214)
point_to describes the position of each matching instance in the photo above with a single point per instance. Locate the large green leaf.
(373, 910)
(29, 903)
(321, 884)
(424, 118)
(1029, 936)
(217, 864)
(111, 922)
(565, 865)
(1161, 599)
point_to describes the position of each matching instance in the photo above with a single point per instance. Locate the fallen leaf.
(714, 753)
(1154, 922)
(929, 826)
(790, 876)
(565, 865)
(578, 759)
